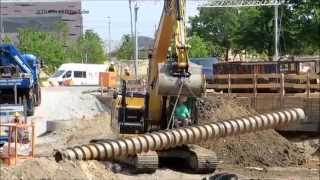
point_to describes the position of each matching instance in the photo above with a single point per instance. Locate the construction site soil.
(251, 155)
(264, 148)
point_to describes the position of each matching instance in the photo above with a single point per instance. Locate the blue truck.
(19, 78)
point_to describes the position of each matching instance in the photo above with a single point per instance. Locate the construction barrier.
(20, 142)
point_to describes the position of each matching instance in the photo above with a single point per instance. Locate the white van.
(77, 74)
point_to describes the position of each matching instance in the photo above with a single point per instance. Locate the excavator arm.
(170, 73)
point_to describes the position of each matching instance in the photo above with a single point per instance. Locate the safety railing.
(20, 142)
(255, 83)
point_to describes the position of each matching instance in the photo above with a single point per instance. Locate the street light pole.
(276, 33)
(136, 8)
(1, 23)
(109, 36)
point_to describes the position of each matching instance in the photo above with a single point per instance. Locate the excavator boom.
(170, 73)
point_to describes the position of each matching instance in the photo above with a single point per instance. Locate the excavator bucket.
(172, 85)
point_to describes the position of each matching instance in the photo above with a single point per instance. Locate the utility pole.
(109, 36)
(131, 23)
(1, 23)
(276, 32)
(136, 8)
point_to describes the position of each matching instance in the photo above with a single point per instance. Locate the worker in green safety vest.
(182, 113)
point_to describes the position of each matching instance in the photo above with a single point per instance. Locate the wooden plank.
(315, 86)
(233, 76)
(273, 75)
(217, 86)
(268, 76)
(268, 85)
(242, 76)
(295, 86)
(220, 76)
(314, 76)
(296, 76)
(241, 86)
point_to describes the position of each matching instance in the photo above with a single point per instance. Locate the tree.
(218, 27)
(44, 45)
(256, 32)
(199, 47)
(126, 48)
(90, 47)
(302, 28)
(7, 40)
(251, 29)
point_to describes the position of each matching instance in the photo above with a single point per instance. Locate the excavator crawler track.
(142, 163)
(146, 162)
(195, 158)
(202, 160)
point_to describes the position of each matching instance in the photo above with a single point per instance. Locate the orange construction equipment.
(107, 79)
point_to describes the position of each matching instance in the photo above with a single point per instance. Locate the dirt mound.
(266, 148)
(77, 132)
(44, 168)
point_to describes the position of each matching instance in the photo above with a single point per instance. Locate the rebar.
(166, 139)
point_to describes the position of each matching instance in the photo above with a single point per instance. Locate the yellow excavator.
(145, 117)
(170, 76)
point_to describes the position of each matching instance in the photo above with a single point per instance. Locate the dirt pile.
(266, 148)
(77, 132)
(44, 168)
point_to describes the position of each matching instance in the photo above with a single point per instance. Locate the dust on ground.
(44, 168)
(80, 131)
(264, 149)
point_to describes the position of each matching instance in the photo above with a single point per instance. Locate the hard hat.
(111, 63)
(126, 69)
(17, 114)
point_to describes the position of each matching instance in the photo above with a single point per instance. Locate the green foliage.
(252, 29)
(54, 49)
(44, 45)
(199, 48)
(256, 31)
(7, 40)
(217, 27)
(89, 47)
(126, 48)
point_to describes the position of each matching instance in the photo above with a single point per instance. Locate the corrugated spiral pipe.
(162, 140)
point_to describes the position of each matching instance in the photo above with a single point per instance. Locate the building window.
(79, 74)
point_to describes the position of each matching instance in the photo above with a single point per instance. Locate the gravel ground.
(65, 103)
(87, 122)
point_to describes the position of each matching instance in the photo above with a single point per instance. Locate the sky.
(118, 10)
